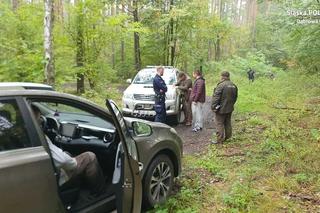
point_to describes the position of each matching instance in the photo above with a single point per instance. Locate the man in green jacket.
(184, 85)
(224, 97)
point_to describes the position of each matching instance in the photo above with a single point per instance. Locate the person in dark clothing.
(251, 73)
(183, 85)
(198, 97)
(224, 97)
(160, 89)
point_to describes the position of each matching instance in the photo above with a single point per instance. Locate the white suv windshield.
(146, 76)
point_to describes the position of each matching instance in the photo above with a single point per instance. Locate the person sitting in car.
(84, 166)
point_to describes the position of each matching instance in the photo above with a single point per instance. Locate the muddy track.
(199, 141)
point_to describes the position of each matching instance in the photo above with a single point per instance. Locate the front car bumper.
(139, 108)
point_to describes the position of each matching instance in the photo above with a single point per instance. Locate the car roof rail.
(152, 66)
(24, 86)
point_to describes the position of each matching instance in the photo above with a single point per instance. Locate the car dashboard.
(77, 133)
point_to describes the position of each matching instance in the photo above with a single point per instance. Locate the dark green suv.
(139, 159)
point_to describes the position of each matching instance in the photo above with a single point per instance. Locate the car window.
(62, 108)
(13, 134)
(71, 114)
(146, 76)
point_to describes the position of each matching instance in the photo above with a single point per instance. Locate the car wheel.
(158, 181)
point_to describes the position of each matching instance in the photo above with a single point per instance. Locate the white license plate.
(148, 106)
(142, 112)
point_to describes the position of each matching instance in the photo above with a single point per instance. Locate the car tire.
(158, 181)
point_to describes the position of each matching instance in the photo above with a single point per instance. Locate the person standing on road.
(184, 84)
(198, 97)
(160, 89)
(224, 97)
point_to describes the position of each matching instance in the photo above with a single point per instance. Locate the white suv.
(138, 99)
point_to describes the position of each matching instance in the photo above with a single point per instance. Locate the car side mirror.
(129, 81)
(141, 129)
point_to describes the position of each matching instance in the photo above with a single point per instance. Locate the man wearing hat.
(224, 97)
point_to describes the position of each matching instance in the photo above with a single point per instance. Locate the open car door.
(127, 173)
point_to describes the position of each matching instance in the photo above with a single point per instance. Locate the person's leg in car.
(89, 169)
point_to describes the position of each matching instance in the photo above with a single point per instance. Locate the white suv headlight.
(128, 95)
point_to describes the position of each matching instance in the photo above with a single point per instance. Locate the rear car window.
(13, 134)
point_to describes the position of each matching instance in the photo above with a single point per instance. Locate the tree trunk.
(254, 18)
(122, 52)
(172, 37)
(165, 45)
(80, 50)
(58, 9)
(122, 42)
(185, 66)
(113, 51)
(113, 55)
(218, 49)
(252, 15)
(167, 39)
(137, 55)
(15, 4)
(239, 16)
(209, 50)
(267, 5)
(49, 75)
(171, 45)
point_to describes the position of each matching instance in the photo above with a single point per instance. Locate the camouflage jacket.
(184, 87)
(224, 97)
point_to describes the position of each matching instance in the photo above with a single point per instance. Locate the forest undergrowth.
(271, 164)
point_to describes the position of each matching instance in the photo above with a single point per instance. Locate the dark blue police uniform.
(160, 99)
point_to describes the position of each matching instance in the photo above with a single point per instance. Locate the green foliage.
(315, 133)
(257, 121)
(21, 43)
(241, 197)
(212, 163)
(273, 154)
(301, 178)
(287, 43)
(108, 40)
(274, 147)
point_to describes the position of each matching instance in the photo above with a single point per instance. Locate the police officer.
(160, 89)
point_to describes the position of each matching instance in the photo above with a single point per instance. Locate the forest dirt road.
(199, 141)
(194, 142)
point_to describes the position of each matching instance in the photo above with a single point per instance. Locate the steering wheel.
(52, 125)
(43, 122)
